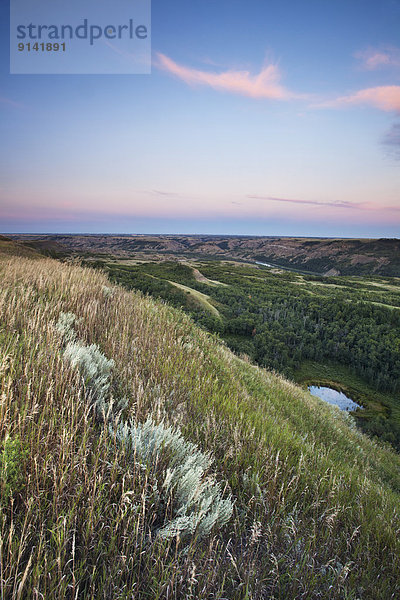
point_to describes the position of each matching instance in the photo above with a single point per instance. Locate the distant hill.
(311, 255)
(15, 248)
(333, 257)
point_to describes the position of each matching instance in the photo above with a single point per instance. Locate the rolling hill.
(311, 255)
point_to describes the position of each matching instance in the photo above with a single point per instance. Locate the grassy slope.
(201, 298)
(316, 502)
(200, 277)
(8, 247)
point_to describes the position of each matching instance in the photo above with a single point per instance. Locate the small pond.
(334, 397)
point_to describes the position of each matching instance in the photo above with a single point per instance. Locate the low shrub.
(195, 497)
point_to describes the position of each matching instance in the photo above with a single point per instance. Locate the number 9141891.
(41, 47)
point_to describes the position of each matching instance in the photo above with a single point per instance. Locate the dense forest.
(281, 319)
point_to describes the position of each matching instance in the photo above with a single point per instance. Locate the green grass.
(201, 298)
(340, 377)
(202, 279)
(385, 305)
(376, 404)
(316, 501)
(282, 319)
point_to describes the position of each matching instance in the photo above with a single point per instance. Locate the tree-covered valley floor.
(342, 332)
(315, 501)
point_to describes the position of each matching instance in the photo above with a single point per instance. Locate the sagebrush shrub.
(107, 291)
(196, 497)
(65, 326)
(95, 368)
(197, 501)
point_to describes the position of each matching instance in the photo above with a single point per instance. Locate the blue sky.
(259, 117)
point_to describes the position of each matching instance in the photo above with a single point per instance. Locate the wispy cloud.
(362, 206)
(265, 84)
(386, 97)
(164, 193)
(138, 59)
(391, 140)
(9, 102)
(311, 202)
(373, 58)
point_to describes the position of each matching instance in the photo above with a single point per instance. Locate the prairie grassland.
(201, 298)
(202, 279)
(316, 502)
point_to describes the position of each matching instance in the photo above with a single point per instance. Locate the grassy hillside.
(12, 248)
(315, 502)
(286, 321)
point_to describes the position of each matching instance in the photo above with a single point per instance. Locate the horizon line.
(246, 235)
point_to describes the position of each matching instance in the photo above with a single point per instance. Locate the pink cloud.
(265, 84)
(375, 60)
(372, 58)
(386, 97)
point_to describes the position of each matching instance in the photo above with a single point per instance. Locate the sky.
(259, 117)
